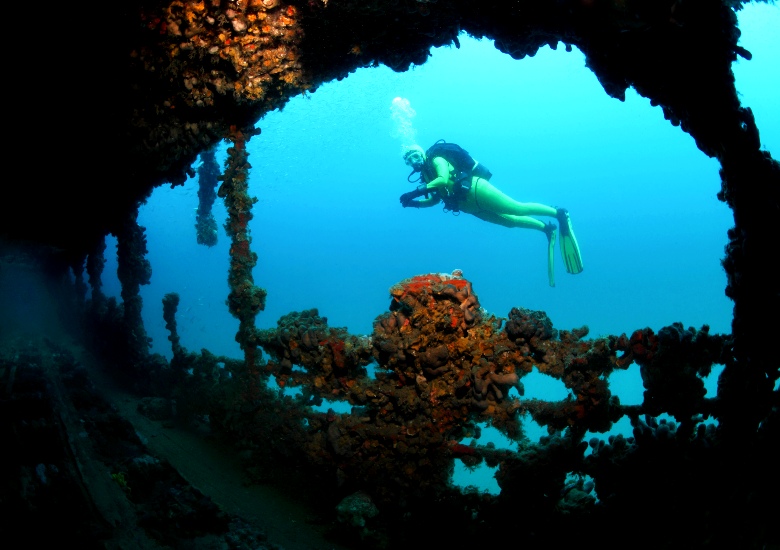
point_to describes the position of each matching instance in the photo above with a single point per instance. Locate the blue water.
(330, 233)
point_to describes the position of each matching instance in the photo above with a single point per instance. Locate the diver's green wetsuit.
(483, 200)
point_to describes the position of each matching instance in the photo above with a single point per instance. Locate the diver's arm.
(441, 181)
(442, 178)
(409, 199)
(433, 200)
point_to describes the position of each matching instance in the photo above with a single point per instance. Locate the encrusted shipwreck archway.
(191, 74)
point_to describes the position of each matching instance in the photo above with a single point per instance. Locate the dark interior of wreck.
(134, 93)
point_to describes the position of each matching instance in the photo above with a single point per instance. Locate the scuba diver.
(449, 175)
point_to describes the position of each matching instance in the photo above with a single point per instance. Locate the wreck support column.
(133, 270)
(208, 178)
(245, 299)
(751, 186)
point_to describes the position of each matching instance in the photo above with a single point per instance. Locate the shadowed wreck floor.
(126, 481)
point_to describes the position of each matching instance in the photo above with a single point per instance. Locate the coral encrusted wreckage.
(153, 85)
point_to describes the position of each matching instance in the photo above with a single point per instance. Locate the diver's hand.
(407, 199)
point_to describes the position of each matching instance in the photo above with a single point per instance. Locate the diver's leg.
(507, 220)
(522, 222)
(549, 230)
(488, 203)
(488, 197)
(525, 222)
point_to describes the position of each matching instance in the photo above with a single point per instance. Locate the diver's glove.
(407, 199)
